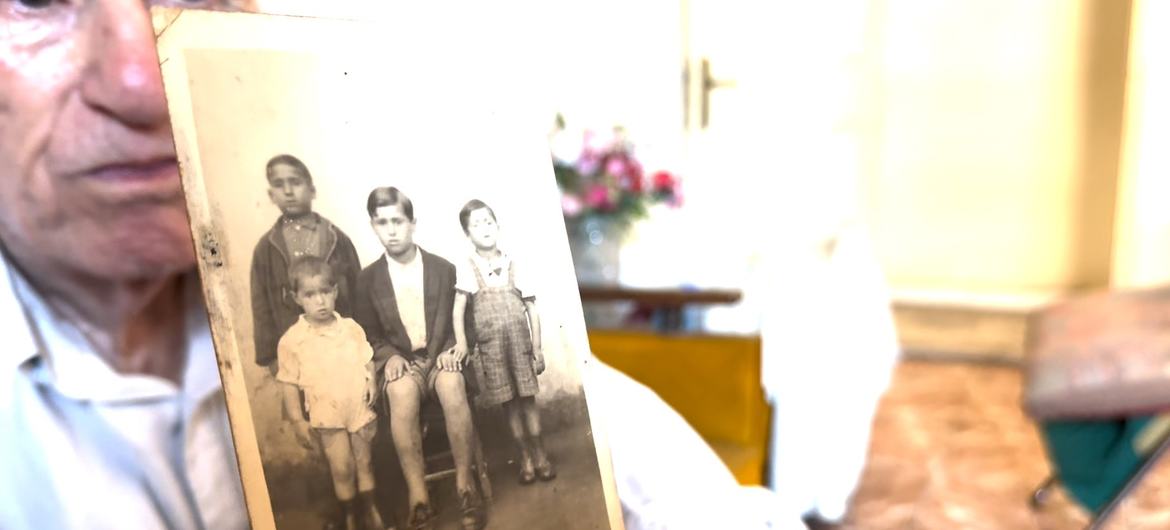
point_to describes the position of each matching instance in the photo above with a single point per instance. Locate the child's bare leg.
(516, 424)
(451, 389)
(341, 463)
(544, 468)
(404, 397)
(532, 424)
(363, 461)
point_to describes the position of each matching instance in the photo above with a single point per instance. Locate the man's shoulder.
(372, 269)
(265, 241)
(341, 235)
(434, 260)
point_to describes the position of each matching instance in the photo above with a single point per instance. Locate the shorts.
(425, 380)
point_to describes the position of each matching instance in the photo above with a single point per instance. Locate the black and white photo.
(388, 279)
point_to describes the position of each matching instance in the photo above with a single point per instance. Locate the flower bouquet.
(604, 189)
(602, 179)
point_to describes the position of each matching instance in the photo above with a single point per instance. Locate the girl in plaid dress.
(506, 328)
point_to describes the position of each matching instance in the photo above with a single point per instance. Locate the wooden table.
(669, 303)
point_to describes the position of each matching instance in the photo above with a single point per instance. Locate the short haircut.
(309, 267)
(471, 206)
(291, 161)
(389, 196)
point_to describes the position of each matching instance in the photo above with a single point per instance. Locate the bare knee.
(343, 470)
(403, 398)
(450, 387)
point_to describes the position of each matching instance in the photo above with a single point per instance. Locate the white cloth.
(407, 279)
(86, 447)
(829, 350)
(329, 363)
(667, 476)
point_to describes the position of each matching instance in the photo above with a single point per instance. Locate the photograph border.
(178, 31)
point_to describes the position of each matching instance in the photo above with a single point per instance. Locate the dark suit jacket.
(273, 308)
(376, 310)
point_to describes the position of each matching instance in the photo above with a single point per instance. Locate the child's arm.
(292, 402)
(534, 329)
(295, 414)
(289, 375)
(457, 318)
(371, 383)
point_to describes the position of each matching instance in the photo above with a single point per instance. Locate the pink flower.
(588, 163)
(571, 205)
(597, 197)
(616, 166)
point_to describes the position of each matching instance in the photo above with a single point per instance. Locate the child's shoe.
(344, 518)
(545, 471)
(527, 472)
(471, 505)
(371, 518)
(421, 518)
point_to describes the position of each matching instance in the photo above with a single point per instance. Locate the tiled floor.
(952, 449)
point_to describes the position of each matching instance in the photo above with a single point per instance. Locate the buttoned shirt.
(329, 363)
(303, 237)
(407, 279)
(87, 447)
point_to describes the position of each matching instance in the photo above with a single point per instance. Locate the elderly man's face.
(88, 176)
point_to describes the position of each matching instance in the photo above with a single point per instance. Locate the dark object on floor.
(1100, 462)
(816, 523)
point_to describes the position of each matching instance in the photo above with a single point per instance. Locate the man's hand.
(538, 361)
(448, 363)
(395, 368)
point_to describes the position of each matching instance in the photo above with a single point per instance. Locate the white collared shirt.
(407, 279)
(495, 272)
(87, 447)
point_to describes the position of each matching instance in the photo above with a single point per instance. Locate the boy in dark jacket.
(300, 232)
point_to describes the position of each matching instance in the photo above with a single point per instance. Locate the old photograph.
(388, 280)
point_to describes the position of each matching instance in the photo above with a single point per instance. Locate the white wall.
(1142, 249)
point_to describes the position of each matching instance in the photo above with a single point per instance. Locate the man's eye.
(36, 4)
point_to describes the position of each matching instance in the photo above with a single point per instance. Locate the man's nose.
(122, 78)
(288, 189)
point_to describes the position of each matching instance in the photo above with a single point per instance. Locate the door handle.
(706, 85)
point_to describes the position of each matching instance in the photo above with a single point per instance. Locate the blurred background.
(761, 196)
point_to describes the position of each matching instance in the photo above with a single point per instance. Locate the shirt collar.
(73, 369)
(310, 221)
(21, 342)
(309, 329)
(488, 265)
(394, 264)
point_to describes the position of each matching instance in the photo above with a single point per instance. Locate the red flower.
(663, 182)
(635, 176)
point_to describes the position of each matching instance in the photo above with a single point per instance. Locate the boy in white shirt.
(326, 356)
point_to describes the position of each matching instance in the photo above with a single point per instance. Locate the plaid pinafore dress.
(503, 359)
